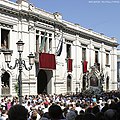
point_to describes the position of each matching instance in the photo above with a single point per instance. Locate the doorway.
(69, 79)
(42, 82)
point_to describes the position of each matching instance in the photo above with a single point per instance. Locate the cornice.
(9, 10)
(6, 25)
(59, 24)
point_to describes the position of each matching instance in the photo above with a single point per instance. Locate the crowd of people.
(105, 106)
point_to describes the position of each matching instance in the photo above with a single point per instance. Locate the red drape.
(47, 61)
(85, 66)
(69, 64)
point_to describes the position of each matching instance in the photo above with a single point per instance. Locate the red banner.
(69, 64)
(85, 66)
(47, 61)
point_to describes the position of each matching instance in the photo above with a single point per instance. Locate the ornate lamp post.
(20, 63)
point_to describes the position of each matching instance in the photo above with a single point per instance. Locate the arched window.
(69, 83)
(107, 83)
(84, 81)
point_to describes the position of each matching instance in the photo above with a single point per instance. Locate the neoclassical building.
(68, 57)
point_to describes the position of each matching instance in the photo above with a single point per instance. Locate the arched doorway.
(84, 81)
(42, 82)
(69, 83)
(5, 83)
(107, 83)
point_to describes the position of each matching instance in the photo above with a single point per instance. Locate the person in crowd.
(45, 109)
(18, 112)
(4, 115)
(71, 115)
(89, 116)
(79, 117)
(82, 112)
(55, 112)
(45, 116)
(8, 104)
(3, 104)
(95, 109)
(110, 114)
(78, 108)
(105, 107)
(83, 104)
(34, 115)
(100, 116)
(28, 106)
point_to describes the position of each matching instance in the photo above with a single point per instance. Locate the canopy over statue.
(93, 81)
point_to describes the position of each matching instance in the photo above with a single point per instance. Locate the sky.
(103, 16)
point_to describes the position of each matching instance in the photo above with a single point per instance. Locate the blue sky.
(103, 16)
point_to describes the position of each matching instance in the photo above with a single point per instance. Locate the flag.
(43, 42)
(60, 46)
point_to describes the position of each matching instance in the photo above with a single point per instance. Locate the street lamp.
(19, 63)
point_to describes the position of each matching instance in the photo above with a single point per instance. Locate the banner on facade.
(47, 61)
(69, 65)
(85, 66)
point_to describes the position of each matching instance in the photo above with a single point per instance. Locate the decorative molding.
(58, 82)
(28, 82)
(6, 25)
(68, 41)
(44, 26)
(107, 65)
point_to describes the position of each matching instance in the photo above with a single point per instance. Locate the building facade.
(68, 57)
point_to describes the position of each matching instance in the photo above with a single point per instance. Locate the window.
(118, 71)
(68, 46)
(83, 54)
(107, 59)
(5, 38)
(96, 56)
(44, 44)
(44, 41)
(37, 43)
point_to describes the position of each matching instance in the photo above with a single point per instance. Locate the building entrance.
(42, 82)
